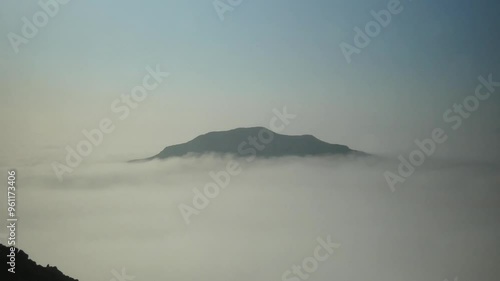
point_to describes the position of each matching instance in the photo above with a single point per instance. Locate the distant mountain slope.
(28, 270)
(258, 141)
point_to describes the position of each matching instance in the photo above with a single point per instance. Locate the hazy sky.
(232, 73)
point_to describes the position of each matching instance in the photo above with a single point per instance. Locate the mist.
(440, 223)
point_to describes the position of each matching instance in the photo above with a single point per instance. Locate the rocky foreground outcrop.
(27, 270)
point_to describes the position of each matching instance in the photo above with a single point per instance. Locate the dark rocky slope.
(28, 270)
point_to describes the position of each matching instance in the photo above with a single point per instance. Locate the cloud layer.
(442, 222)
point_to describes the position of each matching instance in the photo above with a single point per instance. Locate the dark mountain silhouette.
(258, 141)
(28, 270)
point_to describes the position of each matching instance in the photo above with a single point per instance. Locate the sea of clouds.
(441, 223)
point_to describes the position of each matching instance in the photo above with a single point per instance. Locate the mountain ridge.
(253, 142)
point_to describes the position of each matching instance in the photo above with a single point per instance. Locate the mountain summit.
(253, 142)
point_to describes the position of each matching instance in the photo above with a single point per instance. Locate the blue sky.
(264, 54)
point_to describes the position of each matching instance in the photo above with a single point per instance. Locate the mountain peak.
(253, 142)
